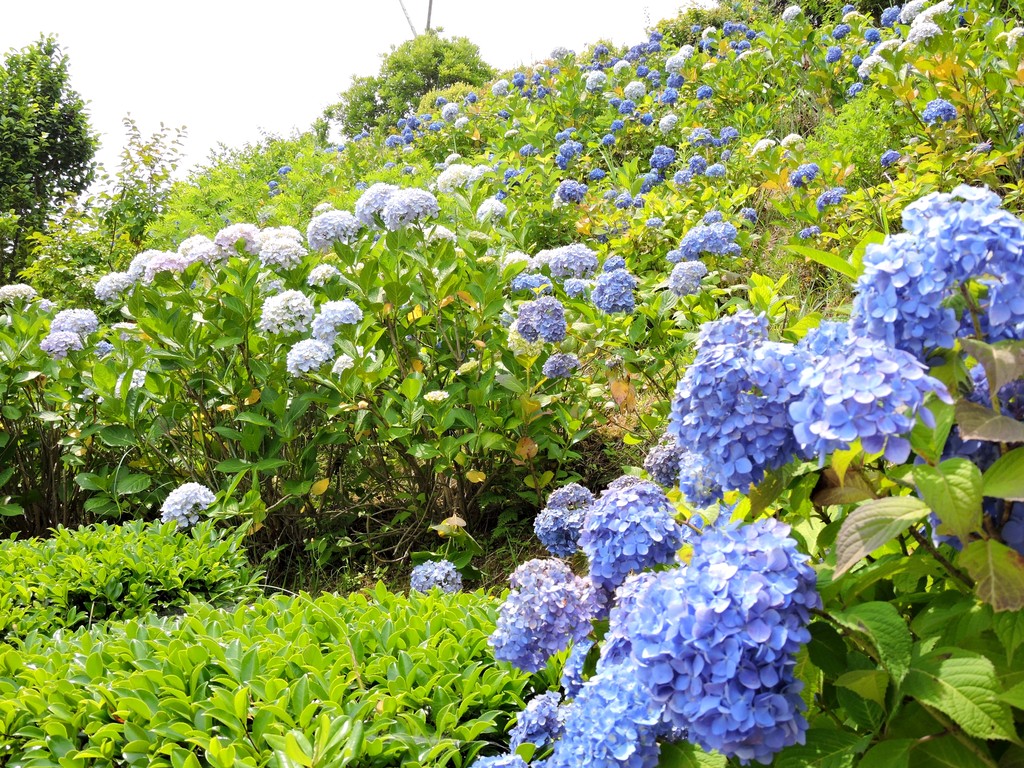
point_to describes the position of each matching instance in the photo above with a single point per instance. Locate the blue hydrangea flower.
(701, 137)
(372, 202)
(662, 157)
(308, 355)
(697, 164)
(575, 287)
(540, 724)
(408, 206)
(542, 318)
(611, 724)
(57, 344)
(534, 282)
(649, 181)
(889, 157)
(572, 671)
(675, 80)
(560, 365)
(628, 530)
(78, 321)
(749, 214)
(808, 232)
(528, 150)
(500, 761)
(286, 312)
(716, 171)
(804, 175)
(597, 174)
(573, 260)
(718, 238)
(841, 31)
(617, 125)
(866, 390)
(607, 140)
(614, 292)
(890, 16)
(715, 644)
(728, 134)
(623, 201)
(685, 278)
(570, 149)
(830, 197)
(332, 315)
(854, 89)
(627, 107)
(662, 460)
(547, 609)
(833, 54)
(332, 227)
(731, 406)
(616, 647)
(612, 262)
(872, 35)
(938, 111)
(570, 191)
(704, 92)
(436, 573)
(184, 504)
(682, 176)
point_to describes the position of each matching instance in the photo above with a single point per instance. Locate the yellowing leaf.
(252, 398)
(416, 313)
(417, 365)
(475, 476)
(624, 394)
(319, 487)
(468, 299)
(526, 448)
(446, 301)
(226, 407)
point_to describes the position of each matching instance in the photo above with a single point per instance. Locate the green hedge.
(80, 577)
(362, 680)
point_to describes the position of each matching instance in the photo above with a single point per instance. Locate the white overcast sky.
(228, 70)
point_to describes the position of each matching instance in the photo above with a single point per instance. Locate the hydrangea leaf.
(927, 441)
(980, 423)
(825, 748)
(1015, 696)
(944, 752)
(873, 524)
(963, 686)
(1009, 628)
(682, 754)
(887, 630)
(1003, 362)
(871, 684)
(1005, 478)
(953, 491)
(891, 753)
(826, 259)
(998, 572)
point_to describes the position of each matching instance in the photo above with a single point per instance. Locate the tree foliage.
(46, 146)
(427, 62)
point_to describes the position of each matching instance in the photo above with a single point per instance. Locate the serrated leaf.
(825, 748)
(683, 754)
(998, 572)
(1005, 478)
(871, 684)
(869, 526)
(964, 687)
(886, 629)
(1009, 628)
(980, 423)
(944, 752)
(891, 753)
(953, 491)
(1015, 696)
(927, 441)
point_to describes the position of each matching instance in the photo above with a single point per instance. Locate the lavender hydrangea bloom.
(616, 647)
(662, 157)
(573, 260)
(542, 318)
(866, 391)
(662, 461)
(80, 321)
(308, 355)
(685, 278)
(534, 282)
(628, 530)
(229, 237)
(112, 285)
(808, 232)
(500, 761)
(547, 609)
(938, 111)
(57, 344)
(730, 407)
(715, 644)
(436, 573)
(611, 724)
(575, 287)
(540, 724)
(558, 525)
(332, 227)
(716, 238)
(571, 496)
(372, 202)
(286, 312)
(614, 292)
(184, 504)
(560, 365)
(333, 314)
(408, 206)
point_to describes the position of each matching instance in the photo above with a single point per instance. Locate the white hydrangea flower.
(519, 346)
(436, 396)
(286, 312)
(200, 248)
(229, 237)
(490, 209)
(921, 32)
(791, 13)
(1013, 36)
(458, 176)
(184, 504)
(285, 252)
(342, 364)
(620, 67)
(111, 286)
(667, 123)
(596, 81)
(17, 292)
(762, 146)
(911, 10)
(792, 140)
(321, 274)
(308, 355)
(635, 90)
(437, 232)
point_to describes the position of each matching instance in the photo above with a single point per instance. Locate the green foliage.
(84, 577)
(372, 679)
(426, 63)
(46, 145)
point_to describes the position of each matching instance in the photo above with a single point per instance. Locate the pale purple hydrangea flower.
(184, 504)
(408, 206)
(286, 312)
(333, 314)
(332, 227)
(112, 285)
(308, 355)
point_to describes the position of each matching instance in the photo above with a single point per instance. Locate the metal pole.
(414, 33)
(430, 8)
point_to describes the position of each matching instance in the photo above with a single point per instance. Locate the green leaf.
(886, 629)
(1009, 628)
(928, 442)
(891, 753)
(825, 748)
(1003, 362)
(980, 423)
(963, 686)
(228, 466)
(117, 436)
(953, 491)
(998, 572)
(871, 684)
(827, 649)
(826, 259)
(945, 752)
(1005, 478)
(129, 484)
(1015, 696)
(683, 754)
(411, 387)
(251, 417)
(869, 526)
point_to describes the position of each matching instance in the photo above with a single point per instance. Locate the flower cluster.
(543, 319)
(560, 365)
(184, 504)
(630, 527)
(547, 609)
(286, 312)
(540, 724)
(436, 573)
(308, 355)
(559, 523)
(686, 276)
(717, 238)
(569, 261)
(408, 206)
(614, 292)
(332, 315)
(332, 227)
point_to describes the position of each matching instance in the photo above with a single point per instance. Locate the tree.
(46, 147)
(418, 66)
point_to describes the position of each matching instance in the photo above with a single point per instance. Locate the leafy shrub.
(105, 573)
(365, 680)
